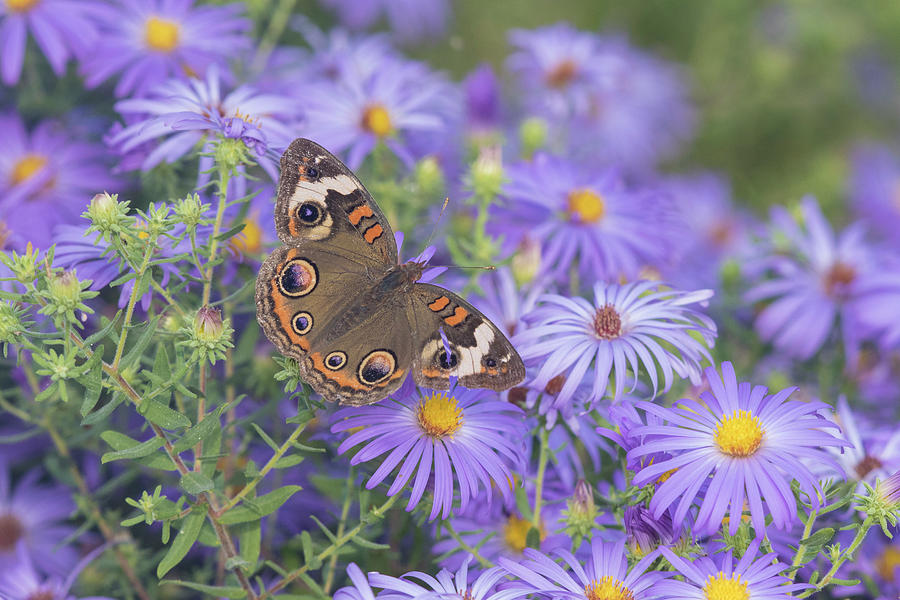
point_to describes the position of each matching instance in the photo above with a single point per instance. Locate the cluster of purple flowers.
(641, 457)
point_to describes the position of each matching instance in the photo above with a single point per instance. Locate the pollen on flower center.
(161, 34)
(249, 241)
(21, 6)
(740, 434)
(886, 564)
(838, 277)
(377, 120)
(723, 587)
(27, 166)
(607, 323)
(586, 206)
(439, 415)
(11, 531)
(562, 73)
(515, 533)
(607, 588)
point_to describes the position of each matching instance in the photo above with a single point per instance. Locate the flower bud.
(486, 175)
(581, 513)
(209, 336)
(533, 134)
(11, 325)
(107, 215)
(231, 152)
(190, 211)
(526, 262)
(644, 532)
(429, 176)
(882, 503)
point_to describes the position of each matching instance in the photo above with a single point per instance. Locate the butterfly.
(336, 298)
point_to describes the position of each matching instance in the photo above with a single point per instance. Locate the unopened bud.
(526, 262)
(533, 134)
(209, 336)
(429, 176)
(486, 176)
(107, 215)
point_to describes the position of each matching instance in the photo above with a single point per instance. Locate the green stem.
(844, 557)
(132, 300)
(273, 32)
(264, 471)
(345, 511)
(801, 548)
(332, 549)
(539, 484)
(466, 546)
(224, 178)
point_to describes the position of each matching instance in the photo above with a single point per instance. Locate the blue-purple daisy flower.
(818, 279)
(21, 581)
(628, 331)
(604, 575)
(46, 177)
(445, 585)
(62, 29)
(402, 104)
(873, 451)
(183, 114)
(150, 41)
(584, 217)
(410, 20)
(752, 577)
(465, 439)
(875, 190)
(32, 522)
(738, 445)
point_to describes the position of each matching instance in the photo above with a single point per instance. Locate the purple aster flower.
(712, 228)
(339, 55)
(20, 580)
(604, 575)
(359, 590)
(411, 20)
(31, 521)
(445, 585)
(645, 533)
(483, 108)
(186, 113)
(875, 190)
(878, 561)
(464, 435)
(61, 28)
(555, 67)
(746, 444)
(150, 41)
(402, 104)
(46, 177)
(754, 576)
(588, 218)
(817, 279)
(636, 325)
(873, 451)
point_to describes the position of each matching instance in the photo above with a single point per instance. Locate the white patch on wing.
(470, 362)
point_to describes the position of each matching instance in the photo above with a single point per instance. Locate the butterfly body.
(335, 298)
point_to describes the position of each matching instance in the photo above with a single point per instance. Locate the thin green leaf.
(265, 437)
(126, 448)
(364, 543)
(160, 414)
(137, 350)
(195, 483)
(260, 507)
(93, 384)
(250, 540)
(290, 460)
(187, 535)
(233, 593)
(199, 432)
(104, 411)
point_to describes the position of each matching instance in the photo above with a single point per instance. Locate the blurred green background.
(777, 84)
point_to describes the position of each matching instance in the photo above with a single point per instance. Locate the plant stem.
(132, 300)
(543, 456)
(801, 548)
(332, 549)
(466, 546)
(845, 555)
(345, 511)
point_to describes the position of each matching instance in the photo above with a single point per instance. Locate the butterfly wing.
(320, 199)
(314, 302)
(480, 355)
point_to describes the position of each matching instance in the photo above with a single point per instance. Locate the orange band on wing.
(373, 233)
(359, 213)
(457, 317)
(439, 304)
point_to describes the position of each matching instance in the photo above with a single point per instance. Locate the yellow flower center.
(723, 587)
(888, 563)
(249, 241)
(27, 166)
(21, 6)
(586, 206)
(608, 588)
(161, 34)
(515, 533)
(439, 415)
(377, 120)
(740, 434)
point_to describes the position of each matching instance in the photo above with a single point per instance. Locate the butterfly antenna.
(438, 222)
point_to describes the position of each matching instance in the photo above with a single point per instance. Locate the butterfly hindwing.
(480, 355)
(320, 199)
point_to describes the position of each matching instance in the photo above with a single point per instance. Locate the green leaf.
(259, 507)
(199, 432)
(126, 448)
(161, 364)
(816, 542)
(93, 383)
(195, 483)
(250, 540)
(233, 593)
(104, 411)
(187, 535)
(265, 437)
(160, 414)
(107, 327)
(364, 543)
(309, 554)
(290, 460)
(522, 503)
(137, 350)
(231, 232)
(533, 538)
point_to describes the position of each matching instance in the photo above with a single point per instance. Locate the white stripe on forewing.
(484, 335)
